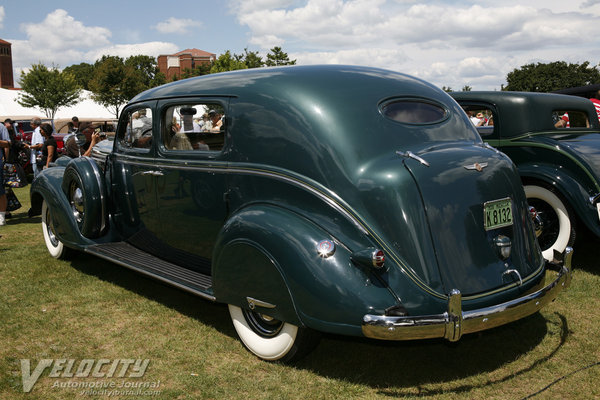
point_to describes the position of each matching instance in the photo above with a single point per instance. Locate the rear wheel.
(270, 339)
(55, 247)
(558, 229)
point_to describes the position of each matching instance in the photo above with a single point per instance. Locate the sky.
(448, 43)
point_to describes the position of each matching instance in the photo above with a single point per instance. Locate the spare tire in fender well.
(83, 184)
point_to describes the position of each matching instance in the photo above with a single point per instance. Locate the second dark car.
(555, 142)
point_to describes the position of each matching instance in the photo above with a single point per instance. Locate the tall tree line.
(114, 80)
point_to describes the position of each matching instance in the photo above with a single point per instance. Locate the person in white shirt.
(37, 141)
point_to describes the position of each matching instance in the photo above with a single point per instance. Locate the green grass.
(90, 309)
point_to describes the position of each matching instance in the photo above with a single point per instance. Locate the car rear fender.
(266, 257)
(569, 187)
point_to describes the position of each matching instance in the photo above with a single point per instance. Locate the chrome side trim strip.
(454, 323)
(222, 168)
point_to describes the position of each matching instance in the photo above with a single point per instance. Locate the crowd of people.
(43, 150)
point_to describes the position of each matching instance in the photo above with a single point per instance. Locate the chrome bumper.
(455, 322)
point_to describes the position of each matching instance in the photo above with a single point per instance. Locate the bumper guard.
(455, 322)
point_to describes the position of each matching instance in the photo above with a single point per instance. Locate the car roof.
(517, 111)
(294, 81)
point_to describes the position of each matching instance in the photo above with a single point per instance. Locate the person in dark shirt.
(73, 150)
(49, 148)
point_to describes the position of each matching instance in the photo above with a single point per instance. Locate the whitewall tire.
(269, 339)
(558, 230)
(55, 247)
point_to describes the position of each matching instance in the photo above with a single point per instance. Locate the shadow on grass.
(585, 254)
(209, 313)
(396, 368)
(20, 217)
(400, 369)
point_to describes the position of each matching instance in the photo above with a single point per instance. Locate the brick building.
(6, 67)
(173, 65)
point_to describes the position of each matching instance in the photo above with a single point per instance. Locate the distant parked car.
(555, 142)
(337, 199)
(105, 125)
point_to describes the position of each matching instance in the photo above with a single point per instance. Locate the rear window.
(411, 111)
(564, 119)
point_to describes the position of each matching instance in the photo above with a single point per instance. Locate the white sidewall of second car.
(537, 192)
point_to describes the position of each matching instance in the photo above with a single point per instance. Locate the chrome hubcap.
(547, 224)
(77, 203)
(49, 230)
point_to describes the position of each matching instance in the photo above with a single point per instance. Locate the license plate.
(497, 213)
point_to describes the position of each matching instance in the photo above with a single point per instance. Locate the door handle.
(155, 173)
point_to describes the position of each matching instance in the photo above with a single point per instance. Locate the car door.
(191, 188)
(134, 177)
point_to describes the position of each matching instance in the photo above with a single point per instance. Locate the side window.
(196, 126)
(482, 119)
(569, 119)
(137, 134)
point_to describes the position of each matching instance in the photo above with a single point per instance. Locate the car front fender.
(569, 187)
(47, 187)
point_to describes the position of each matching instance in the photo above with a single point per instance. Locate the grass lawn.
(87, 308)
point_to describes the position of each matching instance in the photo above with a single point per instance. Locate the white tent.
(87, 108)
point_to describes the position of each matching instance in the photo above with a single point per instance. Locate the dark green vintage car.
(555, 142)
(338, 199)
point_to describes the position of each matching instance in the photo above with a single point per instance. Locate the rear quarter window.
(414, 111)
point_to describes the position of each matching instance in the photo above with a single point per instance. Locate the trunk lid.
(455, 187)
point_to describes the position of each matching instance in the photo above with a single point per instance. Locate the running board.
(133, 258)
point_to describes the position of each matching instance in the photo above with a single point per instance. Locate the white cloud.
(153, 49)
(61, 40)
(179, 26)
(589, 3)
(450, 43)
(249, 6)
(59, 31)
(2, 14)
(361, 56)
(321, 23)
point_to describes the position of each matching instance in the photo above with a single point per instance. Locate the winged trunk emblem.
(477, 166)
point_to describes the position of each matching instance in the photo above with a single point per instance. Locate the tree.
(250, 58)
(115, 83)
(82, 72)
(226, 62)
(550, 77)
(200, 69)
(147, 69)
(467, 88)
(447, 89)
(276, 57)
(48, 89)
